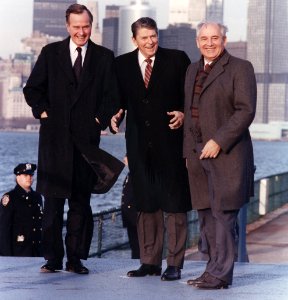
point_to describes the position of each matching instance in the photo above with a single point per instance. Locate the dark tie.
(78, 64)
(207, 68)
(148, 71)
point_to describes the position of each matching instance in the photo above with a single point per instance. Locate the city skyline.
(16, 23)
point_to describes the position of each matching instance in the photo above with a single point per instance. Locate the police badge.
(5, 200)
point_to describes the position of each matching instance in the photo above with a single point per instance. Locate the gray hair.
(223, 28)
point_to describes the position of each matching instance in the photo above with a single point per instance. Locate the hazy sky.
(16, 20)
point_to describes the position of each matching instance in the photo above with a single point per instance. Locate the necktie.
(78, 64)
(148, 71)
(207, 68)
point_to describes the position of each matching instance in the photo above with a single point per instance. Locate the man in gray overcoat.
(220, 103)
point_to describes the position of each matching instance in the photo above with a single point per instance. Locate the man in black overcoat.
(72, 90)
(151, 82)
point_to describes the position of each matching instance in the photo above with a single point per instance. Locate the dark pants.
(151, 228)
(79, 217)
(217, 230)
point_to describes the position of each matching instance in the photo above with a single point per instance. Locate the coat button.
(147, 123)
(194, 150)
(145, 101)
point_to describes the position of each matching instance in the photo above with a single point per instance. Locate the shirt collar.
(141, 58)
(73, 47)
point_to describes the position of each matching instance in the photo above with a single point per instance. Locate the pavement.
(265, 277)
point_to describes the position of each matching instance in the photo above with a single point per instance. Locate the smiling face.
(79, 27)
(147, 41)
(25, 181)
(210, 41)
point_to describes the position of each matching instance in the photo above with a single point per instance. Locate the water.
(16, 147)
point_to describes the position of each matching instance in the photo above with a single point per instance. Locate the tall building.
(178, 11)
(96, 36)
(127, 15)
(238, 49)
(195, 11)
(110, 28)
(267, 40)
(181, 37)
(49, 16)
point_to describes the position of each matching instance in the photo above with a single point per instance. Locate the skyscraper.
(195, 11)
(49, 16)
(111, 28)
(181, 37)
(127, 15)
(96, 37)
(178, 11)
(267, 41)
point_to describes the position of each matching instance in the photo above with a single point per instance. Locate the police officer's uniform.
(21, 219)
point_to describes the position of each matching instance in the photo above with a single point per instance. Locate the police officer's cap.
(25, 169)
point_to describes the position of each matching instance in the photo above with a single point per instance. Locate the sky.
(16, 20)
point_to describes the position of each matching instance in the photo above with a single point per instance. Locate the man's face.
(147, 41)
(210, 41)
(25, 181)
(79, 28)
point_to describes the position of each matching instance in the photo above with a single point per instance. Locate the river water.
(17, 147)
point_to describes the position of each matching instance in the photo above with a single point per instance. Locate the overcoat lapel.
(92, 58)
(135, 70)
(216, 71)
(158, 68)
(64, 59)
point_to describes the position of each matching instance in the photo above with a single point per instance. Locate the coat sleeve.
(35, 90)
(185, 62)
(110, 97)
(6, 220)
(244, 103)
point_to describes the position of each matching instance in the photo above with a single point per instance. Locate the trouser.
(133, 241)
(79, 225)
(151, 230)
(217, 229)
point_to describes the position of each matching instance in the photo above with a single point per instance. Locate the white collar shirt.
(143, 63)
(74, 52)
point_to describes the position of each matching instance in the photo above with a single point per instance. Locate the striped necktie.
(148, 71)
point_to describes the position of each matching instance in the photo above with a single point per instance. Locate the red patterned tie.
(148, 71)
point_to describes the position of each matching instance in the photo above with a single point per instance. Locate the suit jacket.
(226, 109)
(154, 150)
(71, 110)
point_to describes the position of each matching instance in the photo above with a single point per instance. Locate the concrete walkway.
(20, 279)
(264, 278)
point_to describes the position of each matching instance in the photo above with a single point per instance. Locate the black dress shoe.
(76, 267)
(51, 267)
(144, 270)
(212, 283)
(171, 273)
(198, 279)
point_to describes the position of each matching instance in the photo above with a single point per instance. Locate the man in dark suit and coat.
(151, 83)
(72, 90)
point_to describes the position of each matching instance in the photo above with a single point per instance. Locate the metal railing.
(270, 192)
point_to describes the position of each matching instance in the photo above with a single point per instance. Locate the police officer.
(21, 216)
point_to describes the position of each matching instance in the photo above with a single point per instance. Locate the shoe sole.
(49, 271)
(73, 271)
